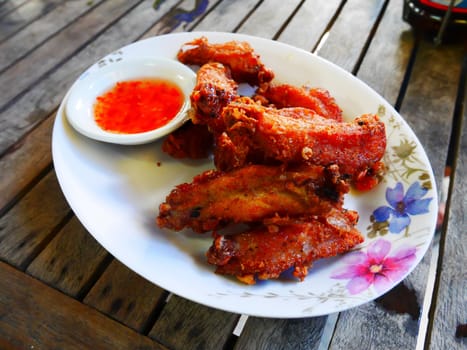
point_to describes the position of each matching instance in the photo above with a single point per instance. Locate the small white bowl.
(96, 81)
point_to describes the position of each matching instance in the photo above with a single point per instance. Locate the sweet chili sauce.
(136, 106)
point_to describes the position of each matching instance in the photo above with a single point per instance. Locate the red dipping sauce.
(137, 106)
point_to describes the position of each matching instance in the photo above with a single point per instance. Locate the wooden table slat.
(24, 162)
(450, 316)
(25, 72)
(270, 334)
(27, 226)
(70, 260)
(309, 24)
(31, 36)
(24, 14)
(227, 17)
(48, 319)
(268, 19)
(385, 64)
(7, 6)
(343, 45)
(181, 17)
(429, 101)
(125, 296)
(196, 326)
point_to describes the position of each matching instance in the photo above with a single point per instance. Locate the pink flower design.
(375, 267)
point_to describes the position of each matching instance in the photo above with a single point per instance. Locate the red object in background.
(459, 6)
(437, 19)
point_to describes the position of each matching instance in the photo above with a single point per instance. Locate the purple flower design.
(401, 207)
(375, 267)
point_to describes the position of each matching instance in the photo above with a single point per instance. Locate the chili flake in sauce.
(138, 106)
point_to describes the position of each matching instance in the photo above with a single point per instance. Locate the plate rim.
(225, 306)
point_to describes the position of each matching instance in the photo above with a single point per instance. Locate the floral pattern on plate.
(375, 267)
(406, 168)
(402, 206)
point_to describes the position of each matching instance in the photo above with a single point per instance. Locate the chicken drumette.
(268, 250)
(251, 194)
(285, 95)
(240, 57)
(258, 134)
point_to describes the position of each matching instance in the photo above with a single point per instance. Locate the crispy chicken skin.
(240, 57)
(297, 135)
(284, 161)
(189, 141)
(214, 90)
(285, 95)
(251, 194)
(268, 250)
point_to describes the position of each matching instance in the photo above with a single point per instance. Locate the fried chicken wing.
(214, 90)
(297, 135)
(285, 95)
(285, 160)
(240, 57)
(251, 194)
(267, 251)
(189, 141)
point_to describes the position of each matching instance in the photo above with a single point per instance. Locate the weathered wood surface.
(450, 308)
(35, 316)
(7, 6)
(310, 24)
(40, 237)
(70, 261)
(181, 17)
(24, 41)
(428, 105)
(195, 326)
(386, 62)
(266, 21)
(222, 19)
(19, 14)
(28, 226)
(343, 45)
(126, 297)
(23, 162)
(263, 333)
(25, 72)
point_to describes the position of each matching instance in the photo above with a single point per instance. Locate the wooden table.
(59, 289)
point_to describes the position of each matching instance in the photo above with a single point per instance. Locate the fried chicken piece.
(214, 90)
(267, 251)
(239, 56)
(189, 141)
(368, 178)
(251, 194)
(285, 95)
(295, 136)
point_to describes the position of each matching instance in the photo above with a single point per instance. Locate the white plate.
(115, 191)
(100, 78)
